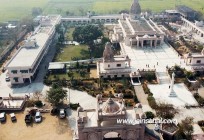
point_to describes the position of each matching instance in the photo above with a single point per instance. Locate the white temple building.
(137, 31)
(113, 66)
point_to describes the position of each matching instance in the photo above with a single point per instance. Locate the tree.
(36, 11)
(186, 126)
(56, 94)
(37, 95)
(87, 34)
(28, 21)
(165, 111)
(149, 115)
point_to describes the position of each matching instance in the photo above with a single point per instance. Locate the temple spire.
(135, 9)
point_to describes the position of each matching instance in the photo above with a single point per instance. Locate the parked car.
(2, 117)
(13, 117)
(38, 117)
(28, 118)
(7, 78)
(62, 113)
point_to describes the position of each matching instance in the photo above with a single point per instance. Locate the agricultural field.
(14, 9)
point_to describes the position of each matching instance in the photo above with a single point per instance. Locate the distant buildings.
(187, 12)
(92, 19)
(23, 66)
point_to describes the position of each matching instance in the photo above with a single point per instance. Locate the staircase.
(163, 77)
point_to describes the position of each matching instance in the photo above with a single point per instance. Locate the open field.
(71, 51)
(14, 9)
(51, 128)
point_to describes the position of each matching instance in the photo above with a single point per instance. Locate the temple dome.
(108, 54)
(110, 106)
(135, 8)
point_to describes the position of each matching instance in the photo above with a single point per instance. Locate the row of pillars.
(140, 43)
(193, 29)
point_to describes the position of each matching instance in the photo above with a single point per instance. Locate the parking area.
(51, 128)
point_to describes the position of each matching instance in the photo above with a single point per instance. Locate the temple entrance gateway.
(112, 136)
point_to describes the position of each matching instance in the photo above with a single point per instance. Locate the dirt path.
(51, 128)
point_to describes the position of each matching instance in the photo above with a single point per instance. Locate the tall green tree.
(56, 94)
(186, 127)
(87, 34)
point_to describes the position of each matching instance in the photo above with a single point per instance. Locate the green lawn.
(69, 34)
(71, 51)
(14, 9)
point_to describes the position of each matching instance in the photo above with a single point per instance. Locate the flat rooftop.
(140, 25)
(125, 26)
(27, 56)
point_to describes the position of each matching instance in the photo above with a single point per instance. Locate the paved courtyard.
(163, 55)
(184, 96)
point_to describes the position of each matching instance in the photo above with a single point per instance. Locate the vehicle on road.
(2, 117)
(62, 113)
(38, 117)
(7, 78)
(28, 118)
(13, 117)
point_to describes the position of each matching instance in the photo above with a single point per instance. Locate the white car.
(7, 78)
(13, 117)
(62, 113)
(38, 117)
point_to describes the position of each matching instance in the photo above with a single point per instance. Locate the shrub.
(74, 106)
(30, 103)
(149, 115)
(38, 103)
(201, 123)
(152, 102)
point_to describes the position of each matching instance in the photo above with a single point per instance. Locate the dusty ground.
(51, 128)
(93, 73)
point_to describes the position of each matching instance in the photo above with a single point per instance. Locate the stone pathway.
(142, 97)
(163, 77)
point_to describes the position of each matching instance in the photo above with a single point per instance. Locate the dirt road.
(51, 128)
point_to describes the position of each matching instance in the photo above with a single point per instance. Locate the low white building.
(23, 66)
(195, 60)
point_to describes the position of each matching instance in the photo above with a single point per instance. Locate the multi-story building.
(23, 66)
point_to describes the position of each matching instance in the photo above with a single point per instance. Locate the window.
(14, 71)
(24, 71)
(118, 65)
(108, 65)
(15, 79)
(198, 61)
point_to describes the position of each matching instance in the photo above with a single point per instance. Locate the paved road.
(86, 60)
(45, 63)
